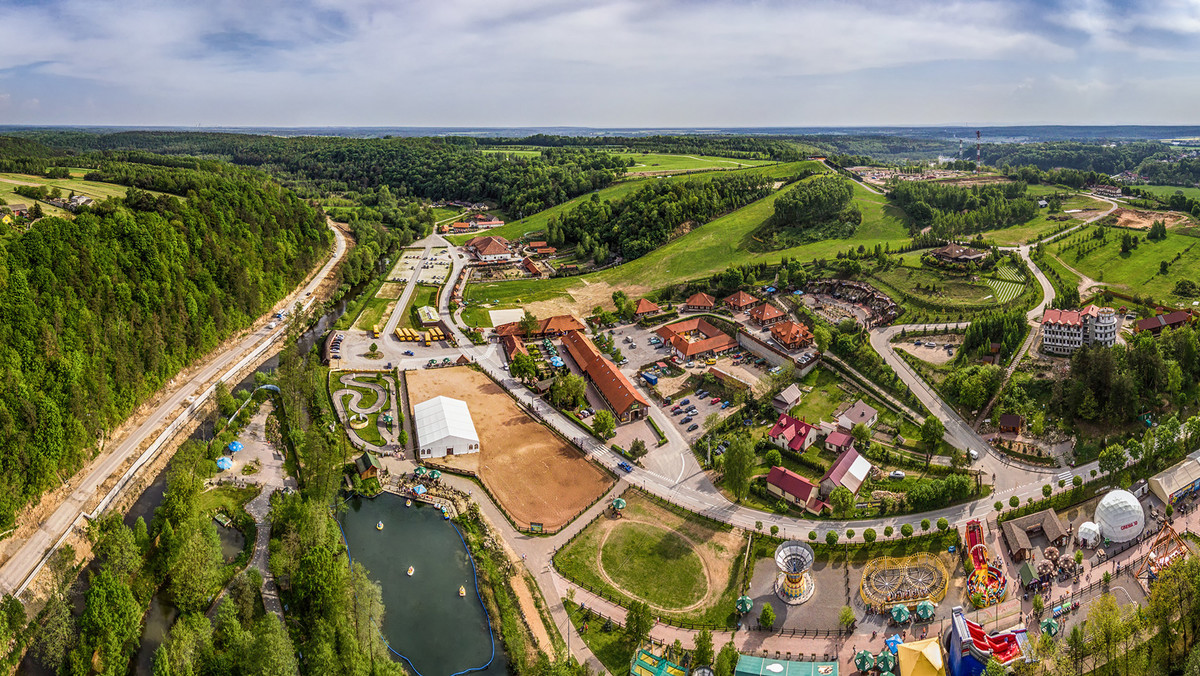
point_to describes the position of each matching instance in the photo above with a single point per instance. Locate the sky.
(599, 63)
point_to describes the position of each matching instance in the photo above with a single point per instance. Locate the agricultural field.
(9, 195)
(703, 251)
(92, 189)
(1005, 290)
(1168, 190)
(659, 162)
(1139, 270)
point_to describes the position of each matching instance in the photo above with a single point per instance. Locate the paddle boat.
(410, 571)
(462, 591)
(379, 526)
(408, 502)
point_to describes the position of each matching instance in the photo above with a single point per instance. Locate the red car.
(714, 400)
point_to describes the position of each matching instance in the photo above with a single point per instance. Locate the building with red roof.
(645, 307)
(797, 490)
(695, 337)
(1157, 323)
(551, 326)
(740, 301)
(538, 245)
(490, 249)
(838, 442)
(791, 335)
(615, 387)
(700, 302)
(792, 434)
(849, 471)
(766, 314)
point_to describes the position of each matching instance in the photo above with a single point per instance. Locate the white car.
(897, 475)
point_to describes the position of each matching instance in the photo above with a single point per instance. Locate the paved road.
(409, 288)
(174, 410)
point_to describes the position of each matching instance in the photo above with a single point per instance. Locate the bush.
(869, 535)
(850, 534)
(943, 524)
(906, 530)
(888, 530)
(924, 524)
(812, 535)
(767, 618)
(774, 459)
(1014, 502)
(999, 506)
(831, 538)
(774, 530)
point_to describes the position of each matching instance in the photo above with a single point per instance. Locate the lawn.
(1003, 289)
(476, 316)
(1138, 270)
(445, 214)
(92, 189)
(372, 313)
(1040, 226)
(1168, 190)
(424, 295)
(608, 646)
(226, 497)
(661, 162)
(951, 291)
(824, 398)
(655, 564)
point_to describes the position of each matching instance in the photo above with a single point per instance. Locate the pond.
(426, 621)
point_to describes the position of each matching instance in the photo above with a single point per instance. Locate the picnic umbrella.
(618, 503)
(235, 446)
(745, 604)
(1050, 626)
(435, 474)
(885, 660)
(892, 642)
(925, 610)
(864, 660)
(900, 613)
(419, 489)
(421, 471)
(224, 463)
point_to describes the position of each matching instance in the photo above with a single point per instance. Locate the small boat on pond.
(462, 591)
(410, 571)
(408, 502)
(379, 526)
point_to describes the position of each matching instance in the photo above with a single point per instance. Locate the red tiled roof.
(491, 248)
(765, 312)
(460, 226)
(838, 439)
(616, 388)
(531, 266)
(794, 431)
(837, 473)
(645, 306)
(513, 346)
(788, 333)
(1064, 317)
(701, 300)
(791, 483)
(537, 245)
(547, 250)
(740, 299)
(1159, 322)
(555, 324)
(714, 339)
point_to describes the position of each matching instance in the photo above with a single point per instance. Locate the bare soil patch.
(933, 355)
(530, 611)
(1142, 220)
(390, 290)
(534, 475)
(581, 299)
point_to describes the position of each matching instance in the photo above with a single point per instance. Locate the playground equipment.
(909, 580)
(969, 647)
(987, 585)
(794, 583)
(1168, 548)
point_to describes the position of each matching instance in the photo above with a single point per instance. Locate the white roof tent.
(444, 427)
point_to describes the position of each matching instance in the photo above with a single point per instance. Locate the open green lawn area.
(423, 295)
(1041, 226)
(476, 316)
(951, 291)
(1138, 270)
(445, 213)
(826, 394)
(226, 497)
(372, 313)
(1168, 190)
(653, 553)
(92, 189)
(1067, 278)
(663, 162)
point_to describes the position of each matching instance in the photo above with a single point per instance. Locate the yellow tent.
(921, 658)
(7, 220)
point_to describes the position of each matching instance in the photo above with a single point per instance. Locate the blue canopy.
(556, 362)
(797, 292)
(224, 463)
(419, 489)
(892, 642)
(235, 446)
(770, 289)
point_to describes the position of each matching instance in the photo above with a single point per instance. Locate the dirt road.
(172, 412)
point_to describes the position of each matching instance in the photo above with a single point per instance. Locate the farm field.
(662, 162)
(682, 567)
(703, 251)
(515, 229)
(1138, 270)
(514, 449)
(92, 189)
(1168, 190)
(8, 194)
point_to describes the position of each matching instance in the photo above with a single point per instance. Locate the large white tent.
(444, 427)
(1120, 516)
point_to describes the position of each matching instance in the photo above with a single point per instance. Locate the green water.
(426, 620)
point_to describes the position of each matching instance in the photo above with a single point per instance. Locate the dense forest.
(645, 220)
(821, 207)
(430, 168)
(1098, 157)
(740, 147)
(97, 312)
(952, 211)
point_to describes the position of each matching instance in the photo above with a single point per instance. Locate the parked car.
(677, 411)
(685, 402)
(715, 400)
(624, 361)
(625, 466)
(725, 404)
(898, 474)
(676, 407)
(686, 420)
(408, 353)
(701, 394)
(973, 454)
(710, 361)
(693, 428)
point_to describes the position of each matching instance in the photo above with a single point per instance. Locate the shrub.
(999, 506)
(888, 530)
(924, 524)
(812, 535)
(1014, 502)
(943, 524)
(774, 530)
(1046, 491)
(831, 538)
(850, 534)
(869, 535)
(906, 530)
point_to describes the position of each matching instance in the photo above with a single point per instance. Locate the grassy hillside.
(1138, 270)
(705, 250)
(536, 222)
(661, 162)
(1168, 190)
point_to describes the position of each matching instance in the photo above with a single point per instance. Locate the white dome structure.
(1089, 534)
(1120, 516)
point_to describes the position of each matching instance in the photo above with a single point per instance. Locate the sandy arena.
(535, 476)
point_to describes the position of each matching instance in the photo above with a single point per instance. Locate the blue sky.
(611, 63)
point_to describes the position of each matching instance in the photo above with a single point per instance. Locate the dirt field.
(583, 299)
(535, 476)
(1142, 220)
(390, 290)
(933, 355)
